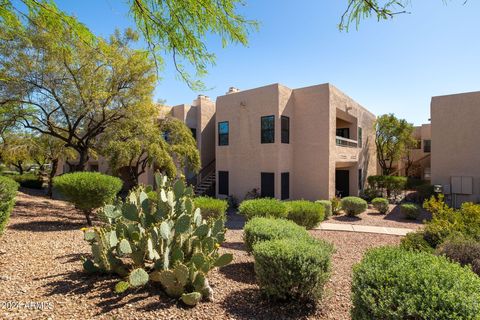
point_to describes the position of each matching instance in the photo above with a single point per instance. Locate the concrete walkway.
(360, 228)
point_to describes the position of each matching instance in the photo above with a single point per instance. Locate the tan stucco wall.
(455, 140)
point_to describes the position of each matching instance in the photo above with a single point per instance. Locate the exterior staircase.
(206, 179)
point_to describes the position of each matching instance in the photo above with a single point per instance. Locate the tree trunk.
(87, 215)
(50, 177)
(82, 160)
(19, 167)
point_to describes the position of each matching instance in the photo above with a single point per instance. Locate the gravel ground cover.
(393, 218)
(41, 278)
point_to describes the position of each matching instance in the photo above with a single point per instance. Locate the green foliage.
(211, 207)
(462, 250)
(391, 283)
(263, 207)
(410, 210)
(353, 205)
(336, 205)
(327, 205)
(368, 194)
(415, 241)
(88, 190)
(8, 191)
(305, 213)
(159, 239)
(389, 185)
(260, 229)
(292, 268)
(381, 205)
(28, 180)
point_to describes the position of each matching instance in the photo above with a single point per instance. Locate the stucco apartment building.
(307, 143)
(455, 150)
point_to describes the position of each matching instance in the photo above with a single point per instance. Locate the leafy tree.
(393, 138)
(142, 140)
(174, 27)
(55, 83)
(16, 150)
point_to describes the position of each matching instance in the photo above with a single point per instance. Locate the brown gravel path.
(393, 219)
(39, 262)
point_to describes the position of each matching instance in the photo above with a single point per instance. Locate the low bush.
(305, 213)
(8, 191)
(392, 185)
(287, 269)
(211, 208)
(264, 207)
(336, 205)
(381, 205)
(415, 241)
(88, 190)
(410, 210)
(391, 283)
(354, 205)
(28, 180)
(462, 250)
(420, 193)
(368, 194)
(327, 206)
(262, 229)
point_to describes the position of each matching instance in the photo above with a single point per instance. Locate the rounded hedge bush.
(462, 250)
(381, 205)
(264, 207)
(88, 190)
(211, 207)
(415, 241)
(8, 191)
(327, 205)
(305, 213)
(287, 269)
(410, 210)
(354, 205)
(262, 229)
(391, 283)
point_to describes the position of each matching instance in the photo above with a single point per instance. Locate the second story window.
(343, 132)
(360, 138)
(285, 129)
(223, 131)
(267, 129)
(427, 145)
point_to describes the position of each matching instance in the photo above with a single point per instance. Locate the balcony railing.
(344, 142)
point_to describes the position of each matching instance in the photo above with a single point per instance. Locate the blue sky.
(389, 67)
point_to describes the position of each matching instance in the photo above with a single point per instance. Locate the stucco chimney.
(232, 90)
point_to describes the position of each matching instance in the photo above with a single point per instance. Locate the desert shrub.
(264, 207)
(413, 183)
(88, 190)
(305, 213)
(391, 283)
(421, 193)
(28, 180)
(389, 184)
(327, 206)
(415, 241)
(336, 205)
(354, 205)
(232, 202)
(175, 249)
(368, 194)
(462, 250)
(211, 208)
(8, 191)
(410, 210)
(381, 205)
(262, 229)
(287, 269)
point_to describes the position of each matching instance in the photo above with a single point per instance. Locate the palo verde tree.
(393, 137)
(178, 28)
(142, 140)
(16, 150)
(57, 84)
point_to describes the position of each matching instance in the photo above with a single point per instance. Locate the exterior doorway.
(342, 182)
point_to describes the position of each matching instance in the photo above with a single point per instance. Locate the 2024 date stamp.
(26, 305)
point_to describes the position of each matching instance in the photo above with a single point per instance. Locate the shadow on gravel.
(239, 272)
(240, 246)
(249, 304)
(345, 218)
(234, 221)
(396, 215)
(45, 226)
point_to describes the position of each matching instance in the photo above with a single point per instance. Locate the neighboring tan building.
(456, 146)
(308, 143)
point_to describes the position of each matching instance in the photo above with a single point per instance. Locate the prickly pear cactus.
(159, 238)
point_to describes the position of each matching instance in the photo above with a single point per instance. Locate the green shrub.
(262, 229)
(391, 283)
(305, 213)
(390, 184)
(88, 190)
(28, 180)
(264, 207)
(368, 194)
(462, 250)
(287, 269)
(354, 205)
(415, 241)
(327, 205)
(410, 210)
(165, 243)
(336, 205)
(8, 191)
(211, 208)
(381, 205)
